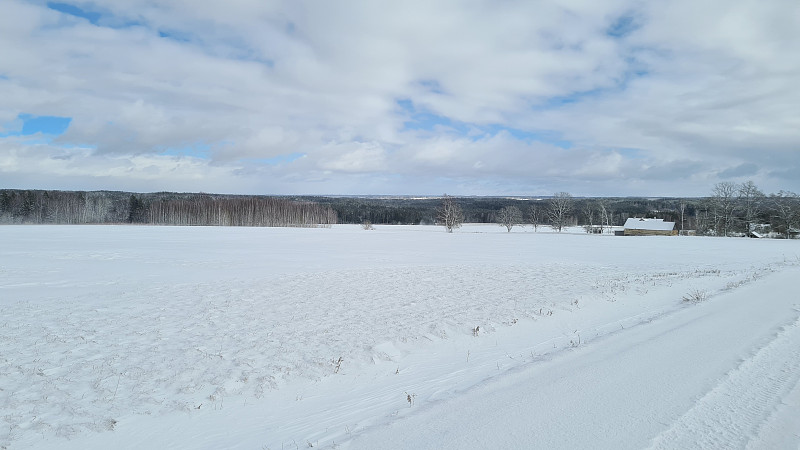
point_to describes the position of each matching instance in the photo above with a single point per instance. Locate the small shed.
(638, 226)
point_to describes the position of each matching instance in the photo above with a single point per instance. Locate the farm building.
(636, 226)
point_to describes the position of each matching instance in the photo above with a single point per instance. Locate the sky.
(364, 97)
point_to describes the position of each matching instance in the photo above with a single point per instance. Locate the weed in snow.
(695, 296)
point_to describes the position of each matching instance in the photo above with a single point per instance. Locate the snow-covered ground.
(400, 337)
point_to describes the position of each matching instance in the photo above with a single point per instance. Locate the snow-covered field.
(400, 337)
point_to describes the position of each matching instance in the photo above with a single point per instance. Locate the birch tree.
(588, 212)
(605, 215)
(683, 212)
(450, 214)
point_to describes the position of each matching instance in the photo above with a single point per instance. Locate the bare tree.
(450, 214)
(509, 217)
(588, 212)
(724, 205)
(750, 201)
(683, 212)
(605, 215)
(786, 208)
(560, 209)
(534, 216)
(704, 222)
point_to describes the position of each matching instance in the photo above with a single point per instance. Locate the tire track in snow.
(732, 413)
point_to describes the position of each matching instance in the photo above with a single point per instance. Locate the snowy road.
(721, 374)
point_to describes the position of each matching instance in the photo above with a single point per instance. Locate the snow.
(620, 391)
(173, 337)
(635, 223)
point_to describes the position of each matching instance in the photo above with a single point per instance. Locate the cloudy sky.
(420, 97)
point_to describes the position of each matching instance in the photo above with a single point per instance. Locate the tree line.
(730, 210)
(569, 210)
(736, 209)
(109, 207)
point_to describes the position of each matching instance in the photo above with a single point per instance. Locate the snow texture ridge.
(730, 415)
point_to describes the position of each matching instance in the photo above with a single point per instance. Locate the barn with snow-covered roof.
(638, 226)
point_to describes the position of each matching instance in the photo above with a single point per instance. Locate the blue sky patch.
(421, 120)
(548, 137)
(575, 97)
(406, 104)
(623, 26)
(175, 35)
(634, 71)
(431, 86)
(427, 121)
(28, 124)
(98, 17)
(92, 16)
(49, 125)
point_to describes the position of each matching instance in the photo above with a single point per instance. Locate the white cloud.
(683, 96)
(354, 157)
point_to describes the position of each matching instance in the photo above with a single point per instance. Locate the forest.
(730, 210)
(162, 208)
